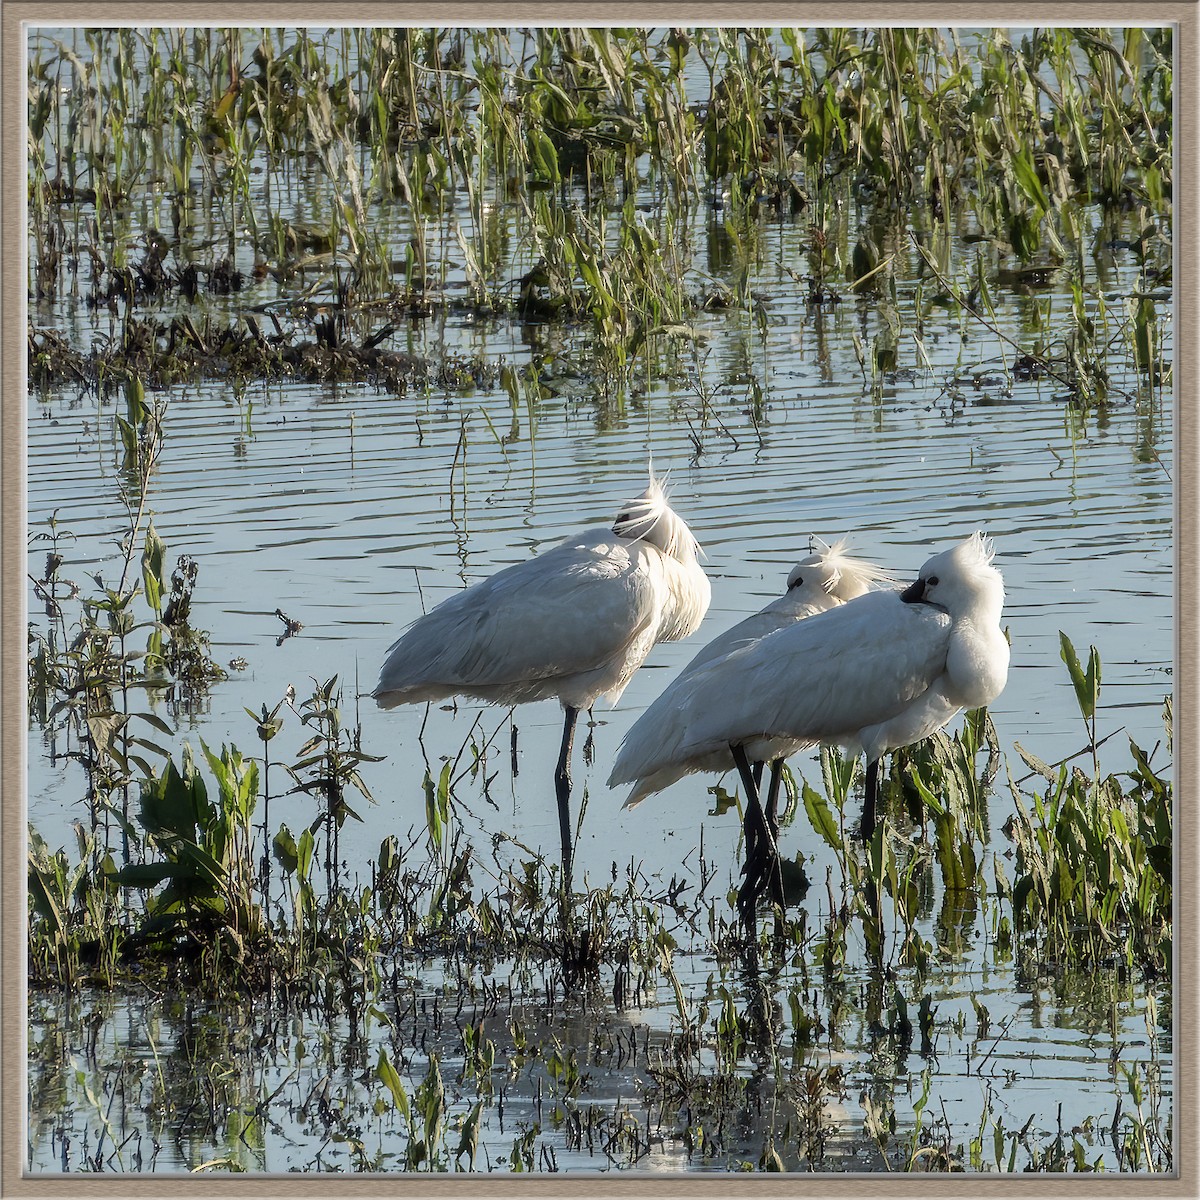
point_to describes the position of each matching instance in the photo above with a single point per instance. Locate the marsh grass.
(563, 130)
(191, 910)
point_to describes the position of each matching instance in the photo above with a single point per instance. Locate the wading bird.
(882, 671)
(573, 623)
(818, 582)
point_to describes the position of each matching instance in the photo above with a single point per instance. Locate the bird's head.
(651, 519)
(831, 570)
(961, 580)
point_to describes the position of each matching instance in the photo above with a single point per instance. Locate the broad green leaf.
(168, 804)
(1086, 685)
(144, 875)
(286, 851)
(821, 818)
(1027, 176)
(390, 1078)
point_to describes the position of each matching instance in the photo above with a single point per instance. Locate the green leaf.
(153, 557)
(821, 818)
(1144, 770)
(469, 1141)
(1092, 678)
(286, 851)
(952, 867)
(149, 745)
(144, 875)
(1159, 858)
(509, 382)
(157, 722)
(390, 1078)
(168, 804)
(928, 799)
(432, 812)
(1027, 176)
(203, 866)
(1086, 684)
(43, 898)
(724, 800)
(305, 853)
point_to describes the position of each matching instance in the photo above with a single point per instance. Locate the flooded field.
(274, 928)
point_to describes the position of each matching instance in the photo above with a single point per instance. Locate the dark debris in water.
(160, 353)
(1027, 367)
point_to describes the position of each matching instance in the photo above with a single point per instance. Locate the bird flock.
(845, 657)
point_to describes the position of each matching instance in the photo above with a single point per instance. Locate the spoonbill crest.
(882, 671)
(573, 623)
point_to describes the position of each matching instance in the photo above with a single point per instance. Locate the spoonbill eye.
(931, 581)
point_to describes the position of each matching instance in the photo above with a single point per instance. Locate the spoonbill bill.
(572, 623)
(882, 671)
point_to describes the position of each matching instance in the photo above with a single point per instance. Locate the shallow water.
(1045, 1065)
(352, 511)
(334, 507)
(286, 502)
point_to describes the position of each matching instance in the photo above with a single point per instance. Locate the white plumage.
(819, 581)
(882, 671)
(573, 623)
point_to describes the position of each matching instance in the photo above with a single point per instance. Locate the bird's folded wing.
(568, 610)
(821, 678)
(771, 618)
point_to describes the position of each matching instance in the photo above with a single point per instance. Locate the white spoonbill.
(819, 581)
(573, 623)
(882, 671)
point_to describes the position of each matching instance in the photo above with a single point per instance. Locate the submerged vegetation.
(555, 180)
(885, 143)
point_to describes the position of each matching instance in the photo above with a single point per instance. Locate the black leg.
(753, 849)
(747, 898)
(771, 814)
(755, 823)
(743, 765)
(761, 856)
(750, 776)
(773, 799)
(562, 785)
(867, 825)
